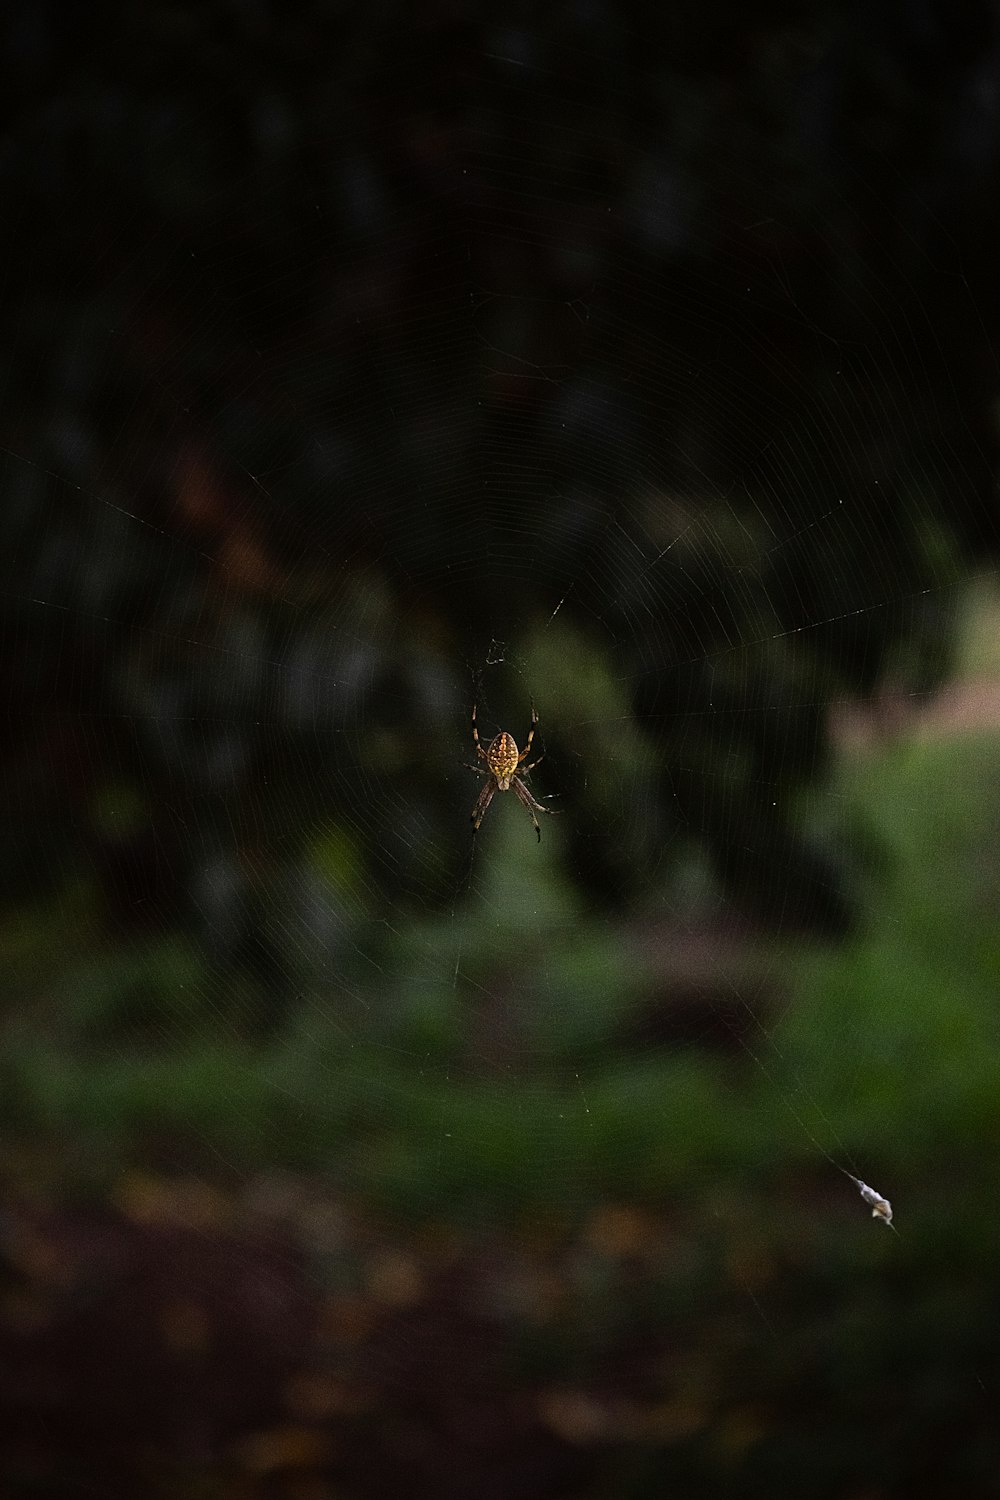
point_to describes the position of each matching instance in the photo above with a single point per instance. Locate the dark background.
(357, 367)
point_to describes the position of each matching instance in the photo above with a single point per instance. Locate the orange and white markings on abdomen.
(502, 758)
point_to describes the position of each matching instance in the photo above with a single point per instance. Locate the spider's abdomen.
(501, 757)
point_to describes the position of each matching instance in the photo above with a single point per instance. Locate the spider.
(502, 765)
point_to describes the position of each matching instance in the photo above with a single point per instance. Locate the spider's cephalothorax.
(503, 766)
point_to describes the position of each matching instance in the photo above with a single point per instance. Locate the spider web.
(429, 415)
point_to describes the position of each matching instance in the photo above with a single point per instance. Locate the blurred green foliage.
(486, 1057)
(503, 1101)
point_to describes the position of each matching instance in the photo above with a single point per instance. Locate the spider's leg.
(520, 787)
(479, 770)
(523, 770)
(529, 802)
(526, 800)
(531, 735)
(482, 803)
(475, 734)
